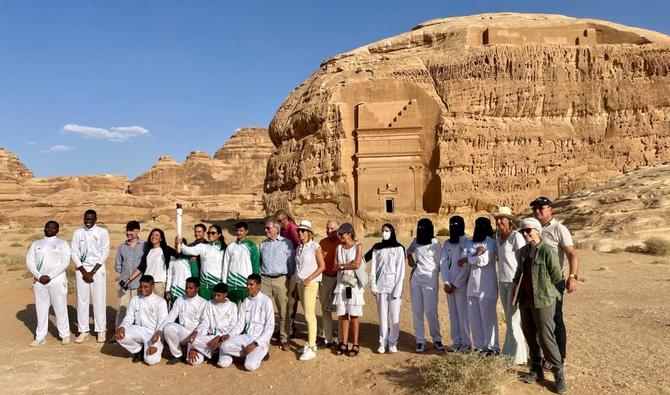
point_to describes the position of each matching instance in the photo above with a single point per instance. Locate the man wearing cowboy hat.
(558, 237)
(509, 242)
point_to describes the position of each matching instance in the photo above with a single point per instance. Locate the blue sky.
(151, 78)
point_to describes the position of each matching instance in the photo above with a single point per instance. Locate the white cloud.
(32, 143)
(116, 134)
(60, 148)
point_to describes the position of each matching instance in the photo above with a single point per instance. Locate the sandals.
(341, 349)
(355, 349)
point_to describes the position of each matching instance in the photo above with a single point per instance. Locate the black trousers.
(559, 325)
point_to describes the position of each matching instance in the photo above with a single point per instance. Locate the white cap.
(531, 223)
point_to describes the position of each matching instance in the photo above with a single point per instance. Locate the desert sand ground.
(618, 326)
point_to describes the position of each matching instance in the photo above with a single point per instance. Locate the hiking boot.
(420, 347)
(536, 373)
(559, 379)
(439, 346)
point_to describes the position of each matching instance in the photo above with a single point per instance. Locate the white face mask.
(386, 234)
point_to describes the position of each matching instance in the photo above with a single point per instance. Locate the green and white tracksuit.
(212, 267)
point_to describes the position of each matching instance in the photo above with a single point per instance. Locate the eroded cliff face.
(502, 108)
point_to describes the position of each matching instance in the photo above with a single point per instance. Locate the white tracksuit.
(189, 312)
(89, 248)
(179, 271)
(50, 257)
(424, 288)
(457, 277)
(141, 322)
(483, 294)
(217, 319)
(255, 323)
(386, 280)
(212, 270)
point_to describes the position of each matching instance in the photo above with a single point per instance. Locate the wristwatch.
(574, 275)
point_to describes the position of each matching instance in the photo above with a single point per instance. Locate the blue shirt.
(127, 260)
(277, 257)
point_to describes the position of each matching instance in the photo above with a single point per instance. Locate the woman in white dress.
(349, 291)
(386, 280)
(424, 257)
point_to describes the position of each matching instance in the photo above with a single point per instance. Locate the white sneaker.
(308, 354)
(302, 350)
(65, 341)
(102, 335)
(381, 349)
(38, 342)
(393, 349)
(81, 338)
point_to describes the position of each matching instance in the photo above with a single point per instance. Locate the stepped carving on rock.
(463, 114)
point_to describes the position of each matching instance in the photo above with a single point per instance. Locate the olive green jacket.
(545, 272)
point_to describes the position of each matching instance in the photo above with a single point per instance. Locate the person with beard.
(455, 279)
(479, 253)
(424, 256)
(386, 280)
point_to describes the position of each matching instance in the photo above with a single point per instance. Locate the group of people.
(223, 297)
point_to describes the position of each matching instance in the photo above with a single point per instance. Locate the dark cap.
(345, 228)
(541, 201)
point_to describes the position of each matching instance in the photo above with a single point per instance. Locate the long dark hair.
(168, 251)
(221, 240)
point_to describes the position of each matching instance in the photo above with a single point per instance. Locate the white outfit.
(189, 312)
(424, 288)
(237, 265)
(179, 271)
(482, 294)
(89, 248)
(255, 323)
(305, 261)
(156, 267)
(347, 279)
(211, 262)
(457, 300)
(50, 257)
(515, 344)
(386, 279)
(217, 319)
(141, 322)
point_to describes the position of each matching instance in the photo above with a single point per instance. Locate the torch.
(179, 220)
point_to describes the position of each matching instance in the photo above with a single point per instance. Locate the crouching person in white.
(188, 308)
(47, 260)
(255, 325)
(145, 312)
(216, 325)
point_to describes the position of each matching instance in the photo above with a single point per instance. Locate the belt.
(269, 276)
(329, 275)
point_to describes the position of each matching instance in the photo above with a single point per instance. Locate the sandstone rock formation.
(462, 114)
(621, 212)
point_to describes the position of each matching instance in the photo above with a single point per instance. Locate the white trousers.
(201, 345)
(515, 344)
(98, 291)
(483, 322)
(175, 337)
(424, 302)
(137, 337)
(234, 347)
(389, 319)
(54, 294)
(458, 318)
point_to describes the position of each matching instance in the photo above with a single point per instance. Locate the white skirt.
(353, 306)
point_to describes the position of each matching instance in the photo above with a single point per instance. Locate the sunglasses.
(527, 231)
(303, 230)
(212, 233)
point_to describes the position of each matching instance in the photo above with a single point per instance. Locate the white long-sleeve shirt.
(483, 281)
(188, 310)
(387, 272)
(179, 271)
(146, 311)
(218, 319)
(48, 257)
(507, 250)
(90, 247)
(454, 275)
(212, 270)
(256, 319)
(236, 265)
(427, 263)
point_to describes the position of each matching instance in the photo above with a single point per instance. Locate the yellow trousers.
(308, 300)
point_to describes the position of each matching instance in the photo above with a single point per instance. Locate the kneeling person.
(216, 325)
(145, 312)
(188, 309)
(255, 324)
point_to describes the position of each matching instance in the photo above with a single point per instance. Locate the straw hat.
(306, 225)
(504, 211)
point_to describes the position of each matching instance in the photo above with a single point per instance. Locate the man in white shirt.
(145, 312)
(47, 260)
(90, 248)
(188, 309)
(254, 328)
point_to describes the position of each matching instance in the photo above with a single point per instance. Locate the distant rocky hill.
(224, 187)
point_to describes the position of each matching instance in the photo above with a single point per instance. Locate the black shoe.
(266, 357)
(175, 360)
(559, 379)
(137, 357)
(536, 373)
(324, 345)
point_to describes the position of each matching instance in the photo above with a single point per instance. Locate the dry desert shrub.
(12, 262)
(443, 232)
(652, 246)
(471, 373)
